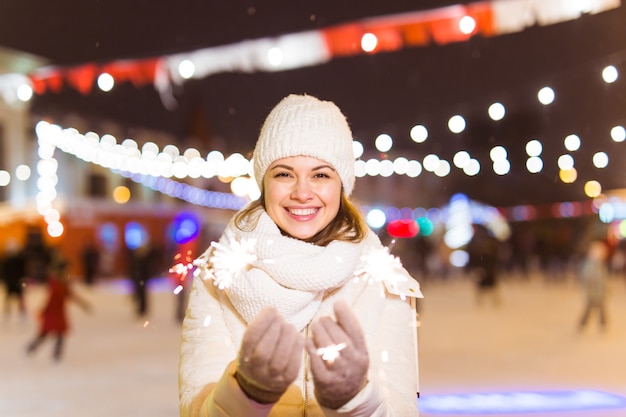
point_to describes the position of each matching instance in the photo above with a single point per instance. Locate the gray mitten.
(338, 357)
(269, 357)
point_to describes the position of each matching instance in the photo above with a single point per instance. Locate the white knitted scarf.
(289, 274)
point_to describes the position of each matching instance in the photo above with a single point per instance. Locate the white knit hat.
(302, 125)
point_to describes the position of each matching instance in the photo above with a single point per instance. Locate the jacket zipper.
(305, 384)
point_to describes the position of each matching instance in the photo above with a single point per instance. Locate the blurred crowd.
(557, 254)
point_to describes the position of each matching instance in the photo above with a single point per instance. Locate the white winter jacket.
(209, 349)
(212, 334)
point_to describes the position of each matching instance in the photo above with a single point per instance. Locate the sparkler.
(225, 263)
(330, 353)
(380, 266)
(181, 269)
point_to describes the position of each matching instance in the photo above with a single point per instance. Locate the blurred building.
(53, 200)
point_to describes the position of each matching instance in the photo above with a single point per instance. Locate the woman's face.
(302, 195)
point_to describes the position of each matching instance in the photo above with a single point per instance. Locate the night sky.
(381, 93)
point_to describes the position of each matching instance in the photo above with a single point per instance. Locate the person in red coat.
(53, 317)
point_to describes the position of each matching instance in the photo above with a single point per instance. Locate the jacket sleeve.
(367, 403)
(394, 357)
(392, 344)
(207, 387)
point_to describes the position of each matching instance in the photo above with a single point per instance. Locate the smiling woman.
(300, 323)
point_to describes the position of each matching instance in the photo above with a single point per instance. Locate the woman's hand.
(339, 358)
(269, 357)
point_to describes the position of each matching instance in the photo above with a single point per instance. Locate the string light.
(106, 82)
(546, 96)
(301, 49)
(154, 168)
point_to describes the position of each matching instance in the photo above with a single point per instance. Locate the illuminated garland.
(127, 160)
(189, 193)
(443, 25)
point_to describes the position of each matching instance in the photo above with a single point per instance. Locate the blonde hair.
(348, 225)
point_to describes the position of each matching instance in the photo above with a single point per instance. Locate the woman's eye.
(281, 174)
(322, 175)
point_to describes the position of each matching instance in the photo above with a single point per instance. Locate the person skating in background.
(143, 264)
(483, 262)
(593, 277)
(299, 309)
(91, 261)
(53, 318)
(13, 272)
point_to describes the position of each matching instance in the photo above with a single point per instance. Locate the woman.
(299, 310)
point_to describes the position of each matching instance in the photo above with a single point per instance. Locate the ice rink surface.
(118, 365)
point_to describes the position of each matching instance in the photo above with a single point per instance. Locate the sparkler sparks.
(381, 266)
(330, 353)
(181, 269)
(224, 263)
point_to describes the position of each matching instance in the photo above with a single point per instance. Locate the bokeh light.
(376, 218)
(55, 229)
(419, 133)
(357, 149)
(186, 69)
(534, 164)
(572, 142)
(22, 172)
(430, 162)
(600, 160)
(24, 92)
(426, 227)
(403, 228)
(369, 42)
(121, 194)
(498, 153)
(592, 188)
(383, 142)
(456, 124)
(185, 227)
(105, 82)
(534, 148)
(135, 235)
(5, 178)
(568, 175)
(472, 167)
(467, 25)
(618, 134)
(546, 95)
(275, 56)
(496, 111)
(461, 159)
(565, 162)
(609, 74)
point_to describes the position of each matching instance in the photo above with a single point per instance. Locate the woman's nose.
(302, 190)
